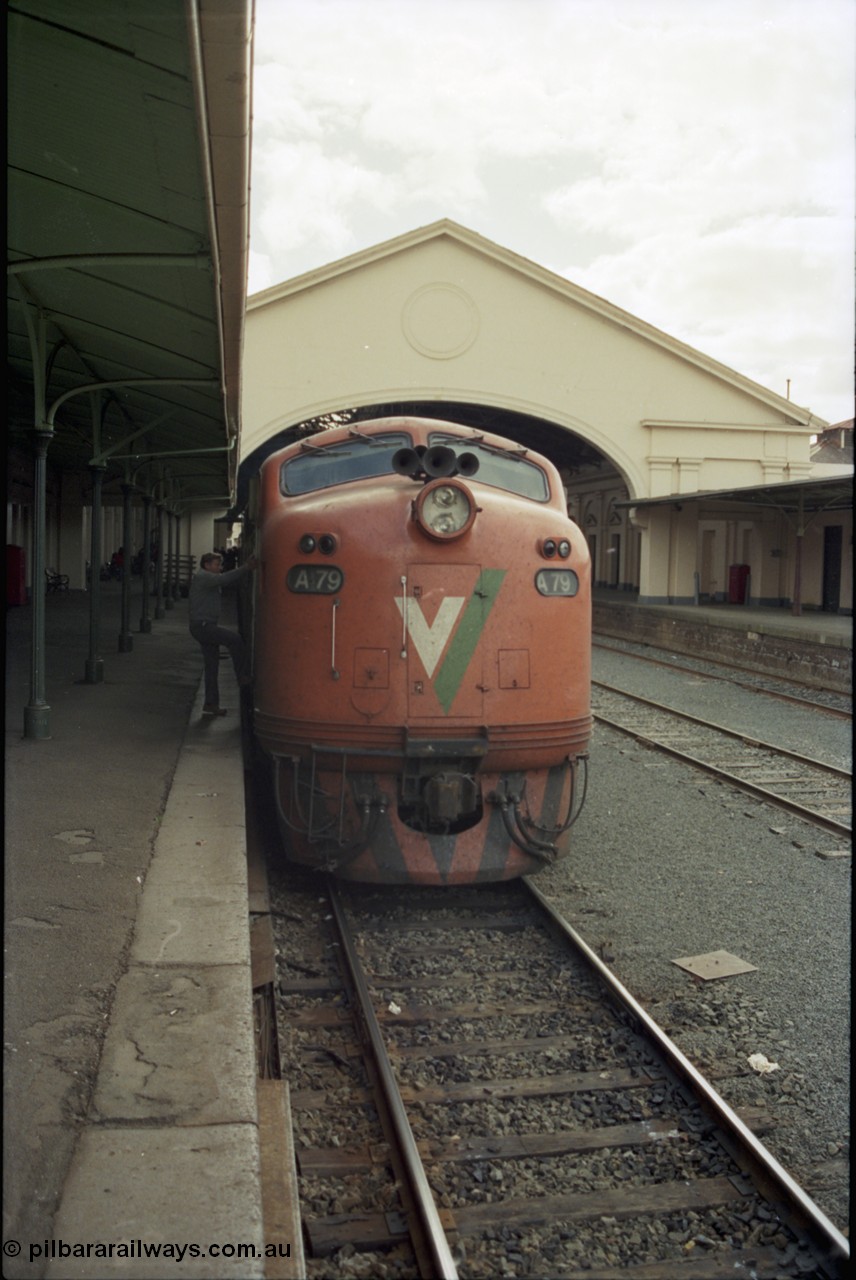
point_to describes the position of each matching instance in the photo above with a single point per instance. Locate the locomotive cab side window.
(501, 468)
(357, 458)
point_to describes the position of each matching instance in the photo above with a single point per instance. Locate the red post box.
(738, 577)
(16, 576)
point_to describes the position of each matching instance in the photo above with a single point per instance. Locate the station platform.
(131, 1104)
(815, 648)
(132, 1107)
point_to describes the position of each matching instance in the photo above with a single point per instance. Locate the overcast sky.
(691, 161)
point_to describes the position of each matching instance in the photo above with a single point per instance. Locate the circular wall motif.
(440, 321)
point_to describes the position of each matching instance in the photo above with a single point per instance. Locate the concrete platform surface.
(130, 1082)
(811, 625)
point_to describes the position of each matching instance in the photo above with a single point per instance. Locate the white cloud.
(690, 160)
(748, 296)
(313, 193)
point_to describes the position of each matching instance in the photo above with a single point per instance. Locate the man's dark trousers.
(211, 636)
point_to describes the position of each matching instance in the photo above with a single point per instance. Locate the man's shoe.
(213, 711)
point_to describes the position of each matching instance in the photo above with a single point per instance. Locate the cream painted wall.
(444, 315)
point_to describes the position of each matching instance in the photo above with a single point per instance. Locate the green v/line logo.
(430, 642)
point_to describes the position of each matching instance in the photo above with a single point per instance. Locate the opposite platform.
(814, 648)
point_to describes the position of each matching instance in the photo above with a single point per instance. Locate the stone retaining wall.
(820, 665)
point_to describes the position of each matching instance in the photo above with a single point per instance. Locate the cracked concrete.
(151, 1065)
(130, 1059)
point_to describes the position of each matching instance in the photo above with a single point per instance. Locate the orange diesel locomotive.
(422, 653)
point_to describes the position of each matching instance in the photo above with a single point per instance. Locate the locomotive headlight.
(564, 548)
(445, 509)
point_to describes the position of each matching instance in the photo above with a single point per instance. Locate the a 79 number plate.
(315, 579)
(557, 582)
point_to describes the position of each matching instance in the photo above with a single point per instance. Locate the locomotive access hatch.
(444, 609)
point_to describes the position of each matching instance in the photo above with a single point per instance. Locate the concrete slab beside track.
(130, 1108)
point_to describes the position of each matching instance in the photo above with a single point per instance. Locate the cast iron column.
(167, 599)
(126, 641)
(94, 671)
(37, 711)
(145, 620)
(799, 534)
(176, 577)
(159, 609)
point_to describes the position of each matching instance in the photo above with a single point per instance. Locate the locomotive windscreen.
(500, 468)
(322, 466)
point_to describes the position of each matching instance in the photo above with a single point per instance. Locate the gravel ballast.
(667, 863)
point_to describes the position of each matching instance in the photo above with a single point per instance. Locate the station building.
(692, 483)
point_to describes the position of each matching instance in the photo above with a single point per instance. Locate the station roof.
(828, 493)
(128, 226)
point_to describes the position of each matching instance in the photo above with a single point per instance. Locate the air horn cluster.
(423, 463)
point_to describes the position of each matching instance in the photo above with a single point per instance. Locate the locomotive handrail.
(333, 671)
(403, 615)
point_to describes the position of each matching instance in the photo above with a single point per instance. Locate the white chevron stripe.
(431, 641)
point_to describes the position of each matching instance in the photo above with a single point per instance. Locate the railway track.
(818, 792)
(827, 701)
(474, 1094)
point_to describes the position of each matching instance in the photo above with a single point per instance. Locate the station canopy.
(128, 164)
(827, 493)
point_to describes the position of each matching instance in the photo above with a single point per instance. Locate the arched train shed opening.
(647, 433)
(574, 456)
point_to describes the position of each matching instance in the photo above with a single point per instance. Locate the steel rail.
(751, 788)
(805, 704)
(763, 1161)
(747, 738)
(438, 1245)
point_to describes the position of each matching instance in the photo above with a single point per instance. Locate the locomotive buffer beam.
(446, 748)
